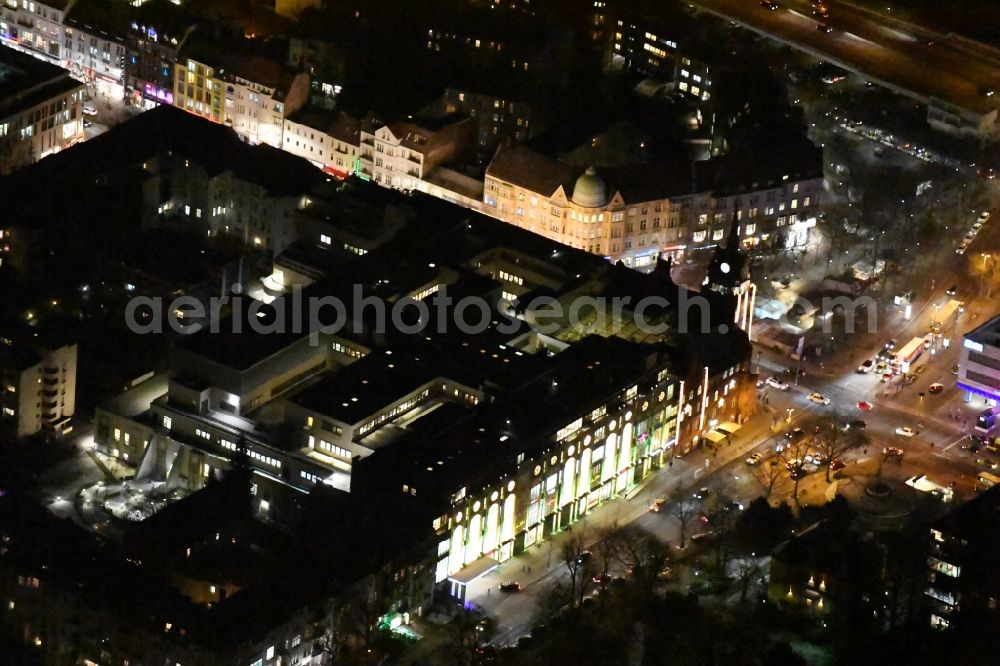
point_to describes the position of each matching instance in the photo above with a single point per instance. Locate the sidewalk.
(540, 562)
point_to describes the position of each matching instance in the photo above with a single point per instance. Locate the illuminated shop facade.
(598, 456)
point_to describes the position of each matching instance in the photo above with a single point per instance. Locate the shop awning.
(728, 427)
(474, 570)
(714, 436)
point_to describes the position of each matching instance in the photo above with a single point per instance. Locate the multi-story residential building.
(37, 387)
(40, 109)
(95, 47)
(963, 583)
(36, 27)
(979, 362)
(251, 93)
(498, 119)
(659, 43)
(155, 35)
(399, 155)
(330, 141)
(650, 210)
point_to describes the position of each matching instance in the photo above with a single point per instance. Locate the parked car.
(510, 586)
(935, 387)
(702, 493)
(905, 431)
(857, 424)
(984, 216)
(658, 504)
(776, 383)
(836, 464)
(754, 458)
(584, 556)
(89, 109)
(819, 399)
(865, 406)
(866, 367)
(892, 451)
(769, 4)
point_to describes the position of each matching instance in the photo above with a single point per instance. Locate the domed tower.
(729, 273)
(589, 191)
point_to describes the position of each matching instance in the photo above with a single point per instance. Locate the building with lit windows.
(499, 120)
(661, 43)
(446, 420)
(963, 584)
(96, 47)
(331, 141)
(37, 387)
(155, 35)
(401, 154)
(36, 27)
(251, 93)
(40, 109)
(656, 208)
(979, 362)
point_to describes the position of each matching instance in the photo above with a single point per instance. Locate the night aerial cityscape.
(514, 332)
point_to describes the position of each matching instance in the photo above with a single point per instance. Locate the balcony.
(50, 371)
(50, 381)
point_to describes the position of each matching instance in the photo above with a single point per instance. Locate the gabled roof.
(531, 170)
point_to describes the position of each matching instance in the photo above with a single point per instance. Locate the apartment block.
(40, 109)
(37, 387)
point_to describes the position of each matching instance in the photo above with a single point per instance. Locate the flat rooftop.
(986, 334)
(26, 81)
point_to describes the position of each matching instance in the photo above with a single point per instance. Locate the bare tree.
(683, 510)
(468, 631)
(793, 457)
(579, 567)
(831, 441)
(608, 544)
(767, 474)
(984, 267)
(746, 570)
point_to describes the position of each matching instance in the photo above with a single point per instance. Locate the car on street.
(866, 367)
(822, 27)
(891, 451)
(584, 556)
(865, 406)
(510, 586)
(795, 434)
(768, 4)
(702, 536)
(905, 431)
(819, 399)
(954, 369)
(962, 247)
(702, 493)
(89, 110)
(754, 458)
(836, 464)
(857, 424)
(935, 387)
(658, 504)
(776, 383)
(984, 216)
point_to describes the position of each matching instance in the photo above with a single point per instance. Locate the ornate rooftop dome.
(589, 190)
